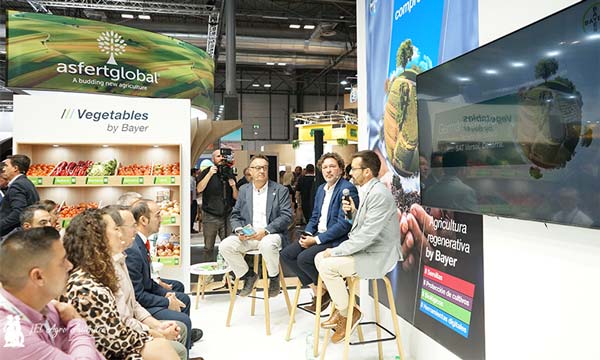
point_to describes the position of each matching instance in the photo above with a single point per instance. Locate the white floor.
(246, 337)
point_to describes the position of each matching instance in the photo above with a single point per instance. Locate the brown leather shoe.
(332, 321)
(325, 300)
(340, 329)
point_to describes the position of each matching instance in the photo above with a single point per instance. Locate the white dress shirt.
(259, 206)
(322, 226)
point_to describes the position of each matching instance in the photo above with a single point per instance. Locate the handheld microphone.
(346, 196)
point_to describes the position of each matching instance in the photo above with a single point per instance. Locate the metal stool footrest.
(393, 337)
(300, 306)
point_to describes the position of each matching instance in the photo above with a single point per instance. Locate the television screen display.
(512, 127)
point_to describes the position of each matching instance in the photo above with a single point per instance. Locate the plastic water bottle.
(221, 262)
(310, 342)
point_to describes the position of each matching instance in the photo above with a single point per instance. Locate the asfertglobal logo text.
(71, 113)
(112, 73)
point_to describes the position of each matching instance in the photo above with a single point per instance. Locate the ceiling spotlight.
(281, 64)
(155, 146)
(517, 64)
(463, 78)
(104, 146)
(256, 85)
(271, 63)
(144, 17)
(55, 145)
(348, 88)
(344, 82)
(553, 53)
(127, 16)
(309, 27)
(267, 85)
(295, 26)
(575, 42)
(593, 37)
(221, 106)
(491, 71)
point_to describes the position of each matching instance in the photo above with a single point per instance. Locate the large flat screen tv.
(512, 128)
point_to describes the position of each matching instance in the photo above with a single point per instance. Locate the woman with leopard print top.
(90, 241)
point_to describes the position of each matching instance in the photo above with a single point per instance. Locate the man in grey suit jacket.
(373, 245)
(266, 206)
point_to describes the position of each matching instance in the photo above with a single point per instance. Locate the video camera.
(225, 168)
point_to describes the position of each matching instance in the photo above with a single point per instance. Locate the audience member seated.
(265, 205)
(164, 301)
(32, 216)
(131, 312)
(373, 244)
(328, 226)
(90, 241)
(33, 271)
(53, 209)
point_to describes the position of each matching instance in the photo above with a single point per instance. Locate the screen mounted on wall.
(512, 128)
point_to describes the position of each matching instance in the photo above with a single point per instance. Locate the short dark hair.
(29, 212)
(20, 161)
(140, 208)
(369, 160)
(24, 250)
(310, 168)
(331, 155)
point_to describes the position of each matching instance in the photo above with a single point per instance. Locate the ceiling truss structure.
(307, 59)
(148, 7)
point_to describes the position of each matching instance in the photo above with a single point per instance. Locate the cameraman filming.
(217, 185)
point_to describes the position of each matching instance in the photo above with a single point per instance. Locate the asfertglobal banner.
(70, 54)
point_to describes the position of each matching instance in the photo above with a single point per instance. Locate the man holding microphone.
(373, 245)
(326, 228)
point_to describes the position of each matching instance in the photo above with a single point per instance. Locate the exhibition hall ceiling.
(296, 46)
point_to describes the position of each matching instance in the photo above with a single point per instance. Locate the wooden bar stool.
(317, 313)
(377, 322)
(295, 306)
(265, 286)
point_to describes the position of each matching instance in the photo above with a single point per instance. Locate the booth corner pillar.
(206, 132)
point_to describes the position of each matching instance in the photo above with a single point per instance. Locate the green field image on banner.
(63, 53)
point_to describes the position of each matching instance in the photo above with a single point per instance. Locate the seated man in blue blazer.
(328, 226)
(166, 301)
(266, 206)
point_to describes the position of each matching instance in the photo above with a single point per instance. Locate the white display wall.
(51, 127)
(539, 279)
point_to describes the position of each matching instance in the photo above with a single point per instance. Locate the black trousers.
(302, 261)
(194, 213)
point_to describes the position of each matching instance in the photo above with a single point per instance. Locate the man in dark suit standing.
(326, 228)
(166, 301)
(20, 192)
(266, 206)
(305, 191)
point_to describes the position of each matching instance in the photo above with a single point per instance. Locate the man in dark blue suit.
(327, 227)
(166, 301)
(20, 192)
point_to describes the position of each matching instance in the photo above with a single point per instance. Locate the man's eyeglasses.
(259, 168)
(357, 168)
